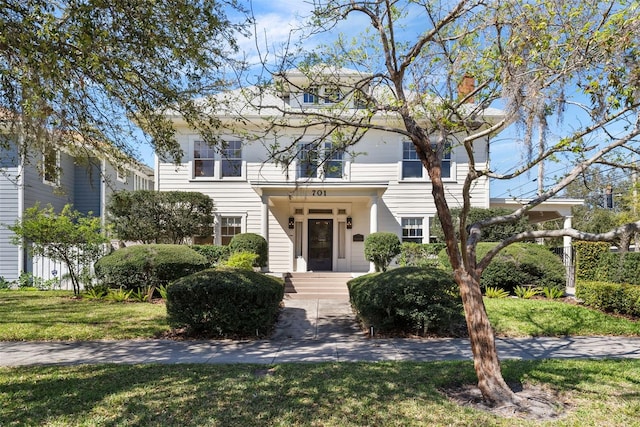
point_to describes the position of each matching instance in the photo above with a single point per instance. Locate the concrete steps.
(317, 285)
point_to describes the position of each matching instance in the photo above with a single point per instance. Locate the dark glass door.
(320, 245)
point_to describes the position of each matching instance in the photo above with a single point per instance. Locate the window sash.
(310, 95)
(232, 159)
(204, 159)
(229, 227)
(412, 230)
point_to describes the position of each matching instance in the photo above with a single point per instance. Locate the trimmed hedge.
(225, 303)
(610, 297)
(588, 255)
(411, 300)
(139, 266)
(419, 254)
(520, 264)
(251, 242)
(213, 253)
(380, 248)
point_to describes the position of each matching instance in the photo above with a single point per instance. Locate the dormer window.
(310, 95)
(332, 95)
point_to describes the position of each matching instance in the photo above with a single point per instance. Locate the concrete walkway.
(308, 331)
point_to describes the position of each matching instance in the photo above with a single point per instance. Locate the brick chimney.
(466, 86)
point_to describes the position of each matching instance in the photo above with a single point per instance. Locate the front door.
(320, 245)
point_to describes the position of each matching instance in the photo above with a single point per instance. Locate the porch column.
(373, 215)
(568, 259)
(264, 229)
(373, 224)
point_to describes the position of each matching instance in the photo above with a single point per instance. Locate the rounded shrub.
(415, 300)
(519, 264)
(380, 248)
(251, 242)
(153, 265)
(225, 303)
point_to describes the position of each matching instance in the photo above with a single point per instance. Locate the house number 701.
(318, 192)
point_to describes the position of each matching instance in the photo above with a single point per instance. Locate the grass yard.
(515, 317)
(56, 315)
(340, 394)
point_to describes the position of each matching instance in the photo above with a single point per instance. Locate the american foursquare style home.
(55, 177)
(316, 211)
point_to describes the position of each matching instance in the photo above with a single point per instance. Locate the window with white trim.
(231, 159)
(229, 227)
(312, 165)
(204, 159)
(310, 95)
(51, 166)
(332, 94)
(412, 229)
(412, 166)
(307, 161)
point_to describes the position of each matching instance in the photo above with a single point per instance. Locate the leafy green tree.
(84, 71)
(429, 70)
(160, 216)
(69, 237)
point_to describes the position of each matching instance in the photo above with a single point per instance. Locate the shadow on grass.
(289, 394)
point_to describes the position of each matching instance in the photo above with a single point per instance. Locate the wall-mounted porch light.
(349, 223)
(291, 223)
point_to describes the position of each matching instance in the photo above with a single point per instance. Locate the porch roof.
(549, 210)
(326, 188)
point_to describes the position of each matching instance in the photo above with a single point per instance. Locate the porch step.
(317, 285)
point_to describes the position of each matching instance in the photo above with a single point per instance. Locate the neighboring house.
(314, 214)
(55, 177)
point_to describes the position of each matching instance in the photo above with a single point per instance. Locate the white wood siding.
(9, 268)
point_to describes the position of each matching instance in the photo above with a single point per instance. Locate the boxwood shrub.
(610, 297)
(251, 242)
(419, 254)
(139, 266)
(519, 264)
(225, 303)
(412, 300)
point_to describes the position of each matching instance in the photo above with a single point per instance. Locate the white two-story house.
(55, 177)
(316, 211)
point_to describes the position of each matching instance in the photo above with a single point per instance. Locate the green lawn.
(55, 315)
(514, 317)
(335, 394)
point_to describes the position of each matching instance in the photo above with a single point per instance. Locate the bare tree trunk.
(485, 356)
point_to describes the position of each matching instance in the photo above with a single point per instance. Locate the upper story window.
(231, 158)
(307, 161)
(334, 164)
(412, 230)
(218, 162)
(51, 166)
(204, 159)
(310, 95)
(329, 164)
(412, 166)
(121, 174)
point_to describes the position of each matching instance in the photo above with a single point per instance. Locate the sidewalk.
(308, 331)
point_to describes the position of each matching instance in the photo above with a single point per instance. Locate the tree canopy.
(160, 217)
(84, 74)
